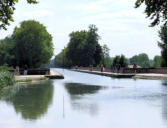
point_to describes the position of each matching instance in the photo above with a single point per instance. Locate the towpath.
(127, 75)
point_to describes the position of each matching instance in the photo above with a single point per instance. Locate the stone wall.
(44, 71)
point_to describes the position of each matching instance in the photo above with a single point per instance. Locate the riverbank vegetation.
(85, 50)
(30, 44)
(6, 78)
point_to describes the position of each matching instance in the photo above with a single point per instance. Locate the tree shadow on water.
(82, 89)
(164, 99)
(30, 100)
(78, 93)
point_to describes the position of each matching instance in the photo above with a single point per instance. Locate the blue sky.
(122, 27)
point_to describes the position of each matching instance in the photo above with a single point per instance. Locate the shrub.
(6, 78)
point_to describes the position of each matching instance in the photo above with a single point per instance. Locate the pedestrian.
(17, 70)
(135, 67)
(25, 69)
(111, 68)
(118, 68)
(102, 68)
(114, 68)
(91, 67)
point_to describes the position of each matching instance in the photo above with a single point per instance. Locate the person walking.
(118, 68)
(25, 69)
(17, 70)
(102, 68)
(134, 67)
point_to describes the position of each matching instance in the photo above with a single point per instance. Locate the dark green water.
(84, 100)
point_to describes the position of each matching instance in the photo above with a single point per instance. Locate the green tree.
(144, 60)
(123, 61)
(83, 48)
(98, 55)
(116, 60)
(157, 61)
(120, 60)
(163, 44)
(76, 46)
(7, 8)
(107, 60)
(33, 44)
(134, 60)
(6, 51)
(156, 10)
(141, 60)
(106, 51)
(61, 60)
(90, 46)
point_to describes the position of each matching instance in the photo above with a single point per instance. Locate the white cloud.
(91, 8)
(122, 27)
(38, 14)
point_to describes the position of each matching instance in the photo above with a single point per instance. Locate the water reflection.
(164, 82)
(78, 93)
(31, 101)
(164, 100)
(82, 89)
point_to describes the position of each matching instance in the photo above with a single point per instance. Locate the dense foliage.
(163, 44)
(141, 60)
(30, 44)
(157, 61)
(156, 10)
(83, 49)
(6, 78)
(6, 52)
(61, 59)
(33, 44)
(106, 59)
(7, 8)
(120, 60)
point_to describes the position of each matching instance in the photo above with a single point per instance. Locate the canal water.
(84, 100)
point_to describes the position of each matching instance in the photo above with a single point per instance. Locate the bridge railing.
(127, 70)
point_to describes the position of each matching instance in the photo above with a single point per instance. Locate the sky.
(124, 29)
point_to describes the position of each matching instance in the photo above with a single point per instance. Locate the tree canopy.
(33, 44)
(83, 49)
(75, 48)
(157, 61)
(6, 52)
(141, 60)
(30, 44)
(7, 8)
(120, 60)
(163, 44)
(106, 59)
(156, 10)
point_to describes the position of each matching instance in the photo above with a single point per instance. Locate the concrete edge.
(121, 75)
